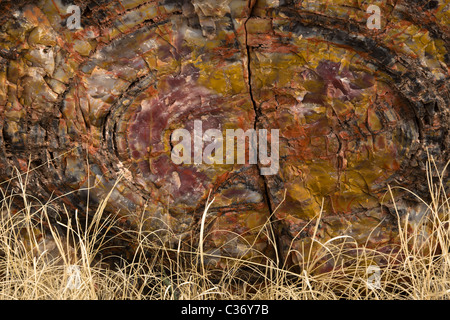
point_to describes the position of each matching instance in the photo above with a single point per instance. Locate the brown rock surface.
(356, 108)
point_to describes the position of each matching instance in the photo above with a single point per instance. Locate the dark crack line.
(258, 115)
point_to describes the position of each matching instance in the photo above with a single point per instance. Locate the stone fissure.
(266, 193)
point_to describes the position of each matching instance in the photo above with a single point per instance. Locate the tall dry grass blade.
(202, 232)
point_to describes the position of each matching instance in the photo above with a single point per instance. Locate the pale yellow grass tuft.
(68, 260)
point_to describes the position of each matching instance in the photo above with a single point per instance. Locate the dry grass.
(67, 260)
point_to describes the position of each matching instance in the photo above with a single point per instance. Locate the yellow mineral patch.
(272, 68)
(83, 47)
(42, 35)
(228, 80)
(255, 220)
(373, 121)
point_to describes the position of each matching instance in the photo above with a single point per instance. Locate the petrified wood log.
(356, 109)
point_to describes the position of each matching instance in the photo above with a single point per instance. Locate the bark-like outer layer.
(357, 109)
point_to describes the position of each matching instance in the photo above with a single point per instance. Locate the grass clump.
(41, 259)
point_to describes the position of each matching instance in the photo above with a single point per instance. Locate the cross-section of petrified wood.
(356, 108)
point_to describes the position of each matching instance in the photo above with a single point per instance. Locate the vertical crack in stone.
(258, 114)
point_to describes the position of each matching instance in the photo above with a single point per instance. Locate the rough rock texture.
(357, 109)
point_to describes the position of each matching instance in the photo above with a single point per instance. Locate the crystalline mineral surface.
(356, 109)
